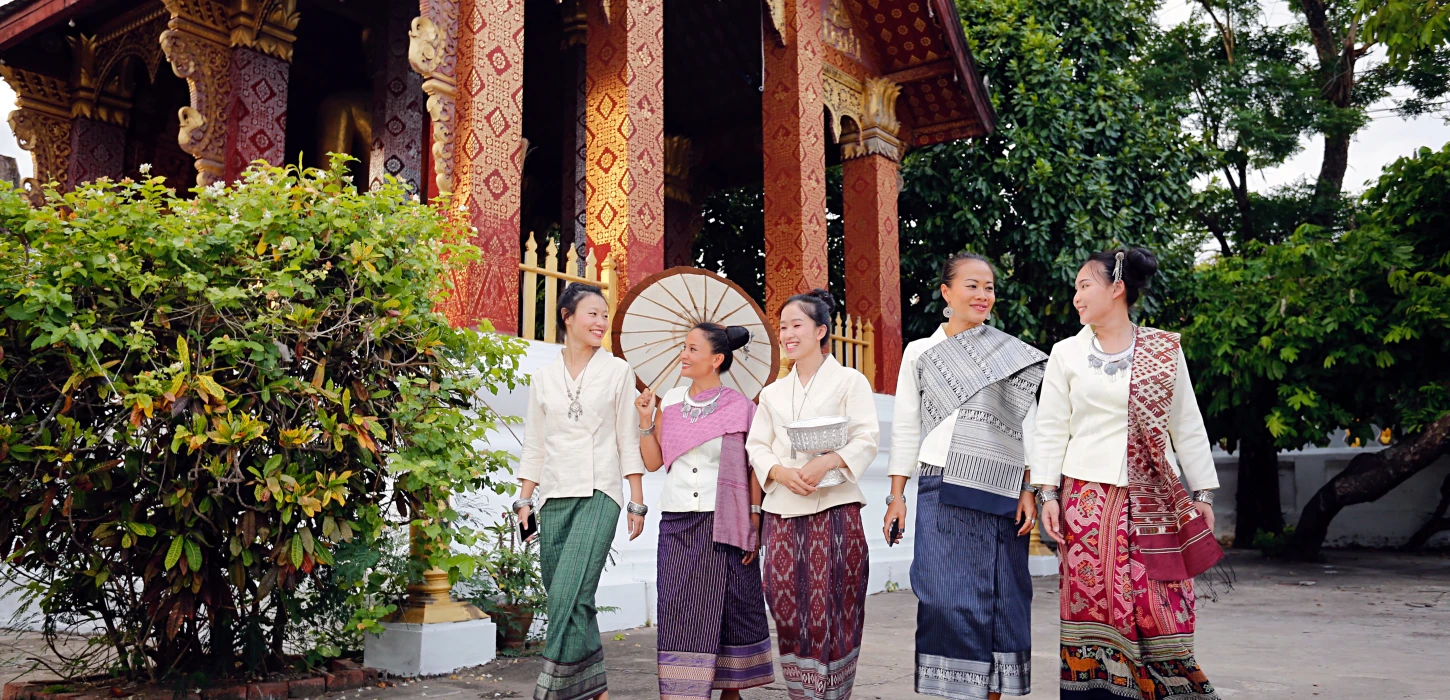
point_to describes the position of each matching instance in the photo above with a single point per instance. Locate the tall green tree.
(1081, 160)
(1250, 96)
(1329, 331)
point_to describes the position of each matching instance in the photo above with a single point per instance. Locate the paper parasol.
(652, 321)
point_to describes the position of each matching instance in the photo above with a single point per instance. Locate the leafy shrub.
(205, 398)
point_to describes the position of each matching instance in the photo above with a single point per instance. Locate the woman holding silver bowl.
(813, 436)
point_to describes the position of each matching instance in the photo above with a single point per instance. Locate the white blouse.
(690, 483)
(833, 391)
(908, 447)
(571, 458)
(1082, 424)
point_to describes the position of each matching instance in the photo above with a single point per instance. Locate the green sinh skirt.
(574, 539)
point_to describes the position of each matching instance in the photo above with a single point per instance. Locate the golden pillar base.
(1035, 547)
(432, 601)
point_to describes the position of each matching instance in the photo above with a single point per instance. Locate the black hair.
(819, 305)
(1139, 266)
(724, 340)
(569, 302)
(949, 267)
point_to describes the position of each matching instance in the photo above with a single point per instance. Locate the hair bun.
(1139, 266)
(739, 337)
(825, 298)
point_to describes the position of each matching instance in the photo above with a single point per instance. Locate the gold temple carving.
(433, 53)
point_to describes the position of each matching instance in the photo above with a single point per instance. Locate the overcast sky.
(1387, 138)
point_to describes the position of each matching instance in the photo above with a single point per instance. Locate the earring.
(946, 311)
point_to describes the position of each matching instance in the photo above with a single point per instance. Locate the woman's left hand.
(636, 525)
(813, 471)
(1026, 512)
(1206, 510)
(750, 557)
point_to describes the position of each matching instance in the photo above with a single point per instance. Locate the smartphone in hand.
(895, 534)
(529, 527)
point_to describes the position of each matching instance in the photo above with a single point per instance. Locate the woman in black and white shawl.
(962, 399)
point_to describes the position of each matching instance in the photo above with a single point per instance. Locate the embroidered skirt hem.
(1008, 674)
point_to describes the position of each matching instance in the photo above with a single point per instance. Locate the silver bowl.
(818, 436)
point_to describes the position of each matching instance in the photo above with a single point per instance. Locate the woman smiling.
(815, 548)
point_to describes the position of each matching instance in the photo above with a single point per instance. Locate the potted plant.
(509, 585)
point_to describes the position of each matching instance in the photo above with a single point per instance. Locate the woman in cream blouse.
(1117, 424)
(819, 602)
(582, 442)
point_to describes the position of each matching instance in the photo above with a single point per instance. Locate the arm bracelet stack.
(522, 502)
(646, 432)
(636, 508)
(1044, 495)
(1203, 496)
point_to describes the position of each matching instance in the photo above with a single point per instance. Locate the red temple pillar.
(794, 150)
(258, 126)
(398, 131)
(97, 149)
(489, 152)
(871, 181)
(625, 184)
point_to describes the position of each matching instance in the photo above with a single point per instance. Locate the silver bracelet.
(1203, 496)
(755, 510)
(891, 498)
(646, 432)
(636, 508)
(1033, 489)
(522, 502)
(1044, 495)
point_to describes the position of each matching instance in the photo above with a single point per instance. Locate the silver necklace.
(796, 410)
(1111, 364)
(576, 409)
(695, 410)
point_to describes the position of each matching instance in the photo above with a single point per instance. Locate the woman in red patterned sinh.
(1118, 436)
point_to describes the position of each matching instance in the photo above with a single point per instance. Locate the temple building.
(598, 124)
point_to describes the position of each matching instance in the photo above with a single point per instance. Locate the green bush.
(205, 397)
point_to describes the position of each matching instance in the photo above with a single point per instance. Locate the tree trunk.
(1337, 56)
(1331, 179)
(1258, 489)
(1438, 522)
(1369, 476)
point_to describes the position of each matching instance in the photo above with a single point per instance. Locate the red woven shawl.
(1171, 534)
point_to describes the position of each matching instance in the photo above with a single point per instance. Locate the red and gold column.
(625, 187)
(489, 153)
(795, 154)
(871, 179)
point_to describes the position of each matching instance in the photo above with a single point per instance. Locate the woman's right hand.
(645, 404)
(523, 516)
(1051, 521)
(792, 479)
(897, 512)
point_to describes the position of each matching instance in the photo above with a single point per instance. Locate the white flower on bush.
(145, 168)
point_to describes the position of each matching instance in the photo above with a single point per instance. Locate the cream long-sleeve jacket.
(908, 446)
(570, 458)
(835, 391)
(1082, 424)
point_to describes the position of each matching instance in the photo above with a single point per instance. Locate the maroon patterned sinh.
(258, 110)
(815, 581)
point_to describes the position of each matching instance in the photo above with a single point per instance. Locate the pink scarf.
(730, 421)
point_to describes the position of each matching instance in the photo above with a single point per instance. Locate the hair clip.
(1118, 268)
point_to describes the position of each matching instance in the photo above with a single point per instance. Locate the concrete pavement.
(1360, 626)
